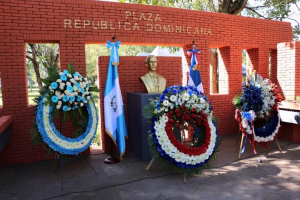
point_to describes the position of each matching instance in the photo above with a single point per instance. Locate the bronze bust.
(153, 81)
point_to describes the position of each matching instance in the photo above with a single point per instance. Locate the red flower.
(176, 110)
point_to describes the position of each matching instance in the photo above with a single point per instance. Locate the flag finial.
(113, 37)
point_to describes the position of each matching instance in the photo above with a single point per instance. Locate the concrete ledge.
(5, 130)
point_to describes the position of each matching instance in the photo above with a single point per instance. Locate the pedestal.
(138, 125)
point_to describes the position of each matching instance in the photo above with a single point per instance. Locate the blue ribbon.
(194, 51)
(114, 54)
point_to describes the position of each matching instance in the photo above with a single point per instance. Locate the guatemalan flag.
(194, 77)
(114, 115)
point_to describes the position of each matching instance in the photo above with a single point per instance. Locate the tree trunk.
(35, 66)
(214, 68)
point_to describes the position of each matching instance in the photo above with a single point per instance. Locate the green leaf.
(73, 115)
(65, 116)
(80, 112)
(48, 83)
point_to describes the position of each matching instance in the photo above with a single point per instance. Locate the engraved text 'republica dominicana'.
(153, 23)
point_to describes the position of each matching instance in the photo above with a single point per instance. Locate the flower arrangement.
(69, 94)
(259, 101)
(179, 107)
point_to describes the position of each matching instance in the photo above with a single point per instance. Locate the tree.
(42, 56)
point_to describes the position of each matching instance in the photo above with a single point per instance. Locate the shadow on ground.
(277, 177)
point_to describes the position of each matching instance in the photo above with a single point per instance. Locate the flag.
(114, 115)
(194, 77)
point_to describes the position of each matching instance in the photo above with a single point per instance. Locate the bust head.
(151, 63)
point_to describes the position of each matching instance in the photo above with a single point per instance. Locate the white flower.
(58, 106)
(69, 75)
(166, 103)
(166, 110)
(88, 97)
(72, 80)
(50, 87)
(81, 104)
(76, 78)
(85, 79)
(68, 83)
(202, 100)
(59, 102)
(61, 73)
(173, 98)
(58, 80)
(67, 92)
(57, 93)
(186, 97)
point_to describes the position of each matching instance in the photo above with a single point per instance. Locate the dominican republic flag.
(114, 115)
(194, 77)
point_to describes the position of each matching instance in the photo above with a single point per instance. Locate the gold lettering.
(148, 27)
(196, 31)
(119, 25)
(94, 25)
(157, 17)
(183, 29)
(136, 26)
(203, 31)
(111, 26)
(126, 26)
(68, 22)
(133, 16)
(187, 30)
(172, 28)
(128, 14)
(178, 29)
(209, 32)
(149, 17)
(77, 23)
(143, 16)
(103, 24)
(86, 23)
(166, 28)
(157, 25)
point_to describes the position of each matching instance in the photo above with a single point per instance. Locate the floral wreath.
(69, 94)
(259, 101)
(178, 107)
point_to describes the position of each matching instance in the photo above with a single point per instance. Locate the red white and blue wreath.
(259, 101)
(70, 93)
(177, 108)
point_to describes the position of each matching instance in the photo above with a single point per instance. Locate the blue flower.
(66, 98)
(70, 88)
(65, 108)
(87, 85)
(247, 115)
(174, 92)
(83, 99)
(54, 85)
(82, 90)
(66, 72)
(54, 99)
(75, 74)
(79, 98)
(63, 77)
(72, 98)
(75, 107)
(77, 85)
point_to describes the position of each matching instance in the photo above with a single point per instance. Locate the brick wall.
(74, 23)
(288, 69)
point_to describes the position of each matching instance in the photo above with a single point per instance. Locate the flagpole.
(112, 159)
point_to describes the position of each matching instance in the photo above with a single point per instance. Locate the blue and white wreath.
(68, 93)
(259, 100)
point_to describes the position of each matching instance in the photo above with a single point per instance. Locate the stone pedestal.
(138, 125)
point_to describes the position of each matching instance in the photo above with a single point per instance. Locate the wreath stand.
(183, 141)
(254, 151)
(61, 160)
